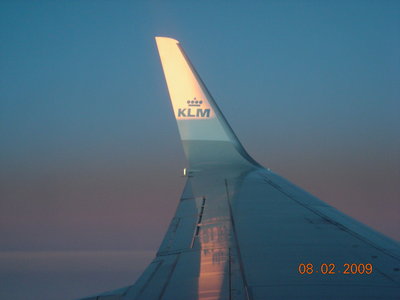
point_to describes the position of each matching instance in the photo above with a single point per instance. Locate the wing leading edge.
(241, 232)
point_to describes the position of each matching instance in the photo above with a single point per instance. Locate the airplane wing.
(242, 232)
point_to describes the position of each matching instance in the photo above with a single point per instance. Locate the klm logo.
(192, 111)
(196, 113)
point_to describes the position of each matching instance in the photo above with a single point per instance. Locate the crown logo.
(194, 102)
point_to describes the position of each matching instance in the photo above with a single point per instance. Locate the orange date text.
(330, 268)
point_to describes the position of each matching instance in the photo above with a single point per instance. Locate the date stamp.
(331, 268)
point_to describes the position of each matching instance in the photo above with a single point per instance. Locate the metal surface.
(240, 231)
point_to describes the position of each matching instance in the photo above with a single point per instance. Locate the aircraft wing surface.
(242, 232)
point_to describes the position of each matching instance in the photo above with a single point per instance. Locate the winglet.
(207, 138)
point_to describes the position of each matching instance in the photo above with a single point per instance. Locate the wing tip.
(166, 39)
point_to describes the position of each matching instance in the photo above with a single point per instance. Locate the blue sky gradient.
(90, 155)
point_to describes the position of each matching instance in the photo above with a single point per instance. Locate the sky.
(90, 156)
